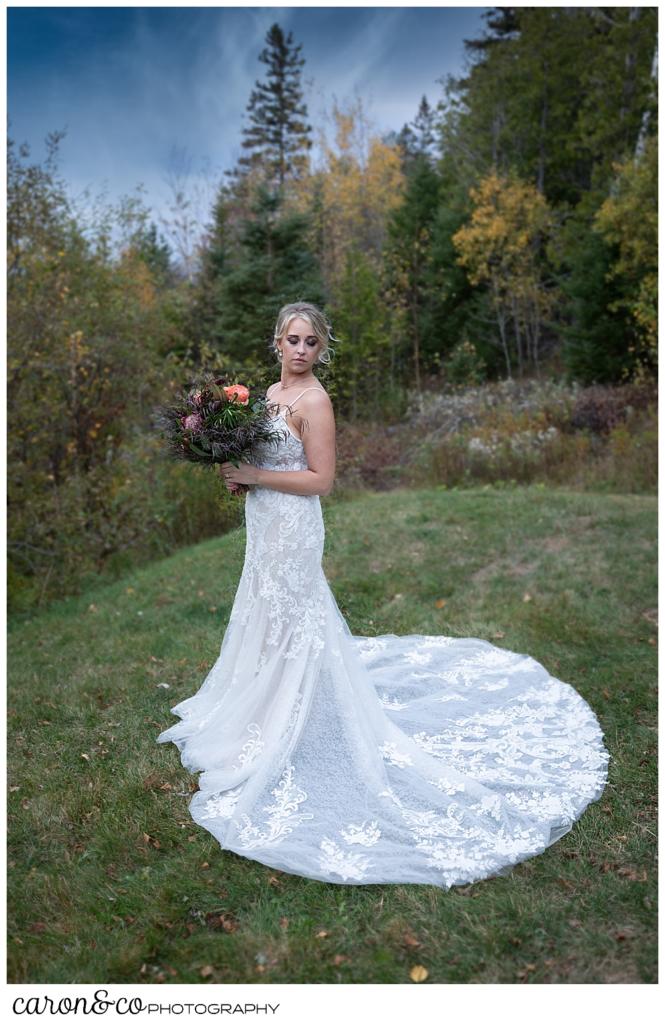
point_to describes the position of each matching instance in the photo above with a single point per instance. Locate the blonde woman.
(353, 759)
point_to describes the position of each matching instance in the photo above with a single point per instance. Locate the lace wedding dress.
(354, 759)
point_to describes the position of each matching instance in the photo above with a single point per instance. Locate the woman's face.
(300, 347)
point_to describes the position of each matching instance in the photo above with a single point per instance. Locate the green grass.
(111, 881)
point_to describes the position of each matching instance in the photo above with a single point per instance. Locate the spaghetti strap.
(312, 388)
(293, 402)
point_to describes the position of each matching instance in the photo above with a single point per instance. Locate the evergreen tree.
(418, 137)
(215, 262)
(504, 22)
(452, 302)
(408, 255)
(555, 94)
(155, 253)
(273, 266)
(277, 138)
(595, 340)
(424, 129)
(363, 344)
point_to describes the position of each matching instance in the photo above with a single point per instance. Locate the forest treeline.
(508, 230)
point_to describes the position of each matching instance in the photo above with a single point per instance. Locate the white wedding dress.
(356, 760)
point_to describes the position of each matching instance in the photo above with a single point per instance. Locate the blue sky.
(146, 91)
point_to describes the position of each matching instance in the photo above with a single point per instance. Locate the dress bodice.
(287, 451)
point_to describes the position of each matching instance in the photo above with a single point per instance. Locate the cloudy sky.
(146, 92)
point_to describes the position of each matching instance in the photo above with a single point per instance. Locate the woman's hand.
(237, 478)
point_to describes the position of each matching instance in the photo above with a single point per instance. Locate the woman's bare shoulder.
(316, 396)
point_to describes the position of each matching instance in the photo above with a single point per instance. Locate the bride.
(353, 759)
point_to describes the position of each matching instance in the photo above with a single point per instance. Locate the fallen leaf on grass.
(409, 939)
(206, 971)
(226, 921)
(418, 973)
(322, 934)
(440, 602)
(339, 958)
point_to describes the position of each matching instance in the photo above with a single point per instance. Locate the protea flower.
(192, 422)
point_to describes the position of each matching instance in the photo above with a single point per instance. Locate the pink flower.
(193, 422)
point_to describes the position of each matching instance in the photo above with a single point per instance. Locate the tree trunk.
(641, 138)
(540, 179)
(629, 67)
(518, 336)
(416, 325)
(501, 321)
(536, 335)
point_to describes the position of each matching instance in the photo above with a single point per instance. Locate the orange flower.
(237, 392)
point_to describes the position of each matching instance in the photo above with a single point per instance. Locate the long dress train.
(356, 760)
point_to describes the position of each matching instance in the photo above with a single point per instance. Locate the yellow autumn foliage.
(353, 191)
(629, 218)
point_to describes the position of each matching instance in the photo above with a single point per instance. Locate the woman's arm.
(301, 481)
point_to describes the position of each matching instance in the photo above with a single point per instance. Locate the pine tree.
(596, 340)
(362, 339)
(417, 138)
(215, 261)
(154, 252)
(277, 138)
(424, 128)
(273, 266)
(408, 253)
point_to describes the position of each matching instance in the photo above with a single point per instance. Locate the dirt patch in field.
(555, 543)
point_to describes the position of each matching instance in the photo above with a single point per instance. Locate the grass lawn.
(111, 881)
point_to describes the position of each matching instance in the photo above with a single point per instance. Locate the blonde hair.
(317, 320)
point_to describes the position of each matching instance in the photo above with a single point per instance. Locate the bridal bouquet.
(214, 421)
